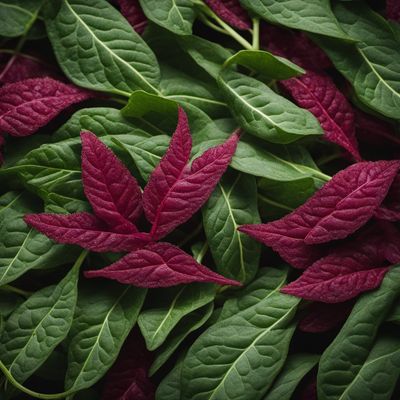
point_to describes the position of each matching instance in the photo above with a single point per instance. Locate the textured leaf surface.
(98, 49)
(159, 265)
(344, 358)
(37, 326)
(104, 317)
(231, 12)
(30, 104)
(114, 194)
(317, 93)
(263, 113)
(233, 203)
(132, 11)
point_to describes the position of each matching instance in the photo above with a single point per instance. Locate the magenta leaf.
(390, 208)
(132, 11)
(128, 378)
(393, 10)
(109, 186)
(27, 105)
(317, 93)
(86, 231)
(159, 265)
(231, 12)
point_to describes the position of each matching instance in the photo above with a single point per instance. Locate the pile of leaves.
(200, 199)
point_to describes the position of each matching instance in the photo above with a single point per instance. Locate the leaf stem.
(13, 289)
(256, 34)
(202, 253)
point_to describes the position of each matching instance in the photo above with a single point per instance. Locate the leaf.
(113, 193)
(342, 206)
(85, 230)
(390, 208)
(317, 93)
(28, 105)
(270, 66)
(372, 64)
(233, 203)
(348, 352)
(104, 317)
(294, 370)
(393, 10)
(307, 15)
(175, 15)
(17, 16)
(132, 11)
(263, 113)
(159, 265)
(37, 326)
(169, 388)
(116, 59)
(231, 12)
(157, 323)
(241, 355)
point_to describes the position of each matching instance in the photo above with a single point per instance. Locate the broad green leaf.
(233, 203)
(342, 361)
(170, 388)
(263, 113)
(265, 63)
(158, 322)
(23, 248)
(240, 356)
(175, 15)
(184, 328)
(17, 16)
(378, 376)
(98, 49)
(296, 367)
(37, 326)
(308, 15)
(105, 315)
(372, 65)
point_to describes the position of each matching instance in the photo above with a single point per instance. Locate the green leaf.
(233, 203)
(372, 65)
(175, 15)
(240, 356)
(157, 323)
(23, 248)
(308, 15)
(105, 315)
(17, 16)
(270, 66)
(296, 367)
(37, 326)
(182, 330)
(98, 49)
(342, 361)
(263, 113)
(170, 388)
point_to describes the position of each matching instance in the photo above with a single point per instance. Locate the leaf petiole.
(13, 289)
(256, 34)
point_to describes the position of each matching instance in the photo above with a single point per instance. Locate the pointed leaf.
(231, 12)
(317, 93)
(132, 11)
(27, 105)
(84, 230)
(159, 265)
(113, 192)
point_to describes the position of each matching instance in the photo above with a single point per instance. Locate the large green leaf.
(37, 326)
(98, 49)
(372, 65)
(233, 203)
(263, 113)
(239, 357)
(158, 322)
(308, 15)
(296, 367)
(175, 15)
(105, 315)
(343, 360)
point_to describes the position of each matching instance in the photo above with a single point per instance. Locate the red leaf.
(393, 10)
(27, 105)
(159, 265)
(317, 93)
(128, 378)
(231, 12)
(390, 208)
(390, 241)
(323, 317)
(84, 230)
(132, 11)
(112, 191)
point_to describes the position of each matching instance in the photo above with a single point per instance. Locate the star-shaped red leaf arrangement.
(176, 190)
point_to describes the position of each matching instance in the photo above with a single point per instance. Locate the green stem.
(202, 253)
(256, 33)
(13, 289)
(210, 24)
(119, 101)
